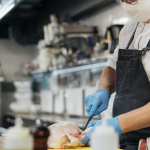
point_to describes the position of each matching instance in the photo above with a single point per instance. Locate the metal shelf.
(51, 118)
(79, 68)
(87, 66)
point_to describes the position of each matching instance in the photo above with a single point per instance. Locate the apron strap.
(148, 45)
(146, 49)
(132, 37)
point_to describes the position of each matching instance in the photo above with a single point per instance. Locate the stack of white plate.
(23, 97)
(22, 86)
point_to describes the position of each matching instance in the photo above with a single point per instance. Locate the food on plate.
(66, 135)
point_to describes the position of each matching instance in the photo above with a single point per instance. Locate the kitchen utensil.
(87, 123)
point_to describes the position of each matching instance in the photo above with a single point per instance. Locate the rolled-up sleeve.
(112, 59)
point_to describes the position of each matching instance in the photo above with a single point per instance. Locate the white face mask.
(139, 12)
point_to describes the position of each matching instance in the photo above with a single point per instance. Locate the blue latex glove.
(97, 102)
(112, 122)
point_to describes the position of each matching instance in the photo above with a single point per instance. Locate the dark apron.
(132, 91)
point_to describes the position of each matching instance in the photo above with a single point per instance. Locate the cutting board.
(78, 148)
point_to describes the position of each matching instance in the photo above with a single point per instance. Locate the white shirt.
(141, 38)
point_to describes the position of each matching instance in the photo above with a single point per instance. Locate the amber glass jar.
(40, 134)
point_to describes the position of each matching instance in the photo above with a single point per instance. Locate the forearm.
(107, 80)
(136, 119)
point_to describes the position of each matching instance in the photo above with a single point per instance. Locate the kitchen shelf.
(74, 68)
(27, 15)
(63, 42)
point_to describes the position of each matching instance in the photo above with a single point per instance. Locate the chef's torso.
(141, 38)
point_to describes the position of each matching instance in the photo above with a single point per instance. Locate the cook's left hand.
(112, 122)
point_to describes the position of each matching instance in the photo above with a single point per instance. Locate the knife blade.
(87, 123)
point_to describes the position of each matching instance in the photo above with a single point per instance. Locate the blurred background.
(52, 54)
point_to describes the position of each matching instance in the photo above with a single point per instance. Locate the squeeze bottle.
(18, 137)
(104, 137)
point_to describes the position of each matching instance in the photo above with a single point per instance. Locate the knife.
(87, 123)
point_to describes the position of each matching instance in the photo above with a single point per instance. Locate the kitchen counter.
(50, 118)
(1, 143)
(2, 139)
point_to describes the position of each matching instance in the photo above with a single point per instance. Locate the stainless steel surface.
(51, 118)
(80, 68)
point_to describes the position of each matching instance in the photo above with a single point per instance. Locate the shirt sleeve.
(112, 59)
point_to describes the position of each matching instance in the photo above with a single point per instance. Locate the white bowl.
(19, 108)
(23, 96)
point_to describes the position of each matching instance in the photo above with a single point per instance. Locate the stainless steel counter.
(51, 118)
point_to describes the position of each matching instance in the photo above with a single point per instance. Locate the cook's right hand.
(97, 102)
(114, 122)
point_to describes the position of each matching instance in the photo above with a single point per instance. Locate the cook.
(128, 73)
